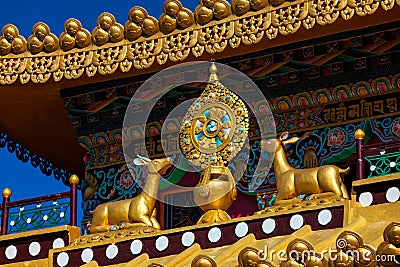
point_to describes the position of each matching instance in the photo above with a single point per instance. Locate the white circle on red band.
(268, 226)
(136, 246)
(214, 235)
(366, 199)
(241, 229)
(34, 248)
(11, 252)
(324, 217)
(162, 243)
(87, 255)
(62, 259)
(393, 194)
(111, 251)
(187, 239)
(296, 221)
(58, 243)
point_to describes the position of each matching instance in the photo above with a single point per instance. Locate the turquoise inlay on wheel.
(218, 142)
(226, 118)
(198, 136)
(212, 127)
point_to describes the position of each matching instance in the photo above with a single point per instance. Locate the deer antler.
(144, 158)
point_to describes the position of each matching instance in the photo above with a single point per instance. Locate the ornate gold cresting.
(203, 261)
(167, 19)
(213, 132)
(133, 27)
(136, 231)
(212, 9)
(390, 247)
(300, 252)
(175, 16)
(42, 39)
(107, 29)
(251, 257)
(11, 41)
(74, 35)
(140, 23)
(318, 182)
(212, 29)
(351, 251)
(241, 7)
(135, 212)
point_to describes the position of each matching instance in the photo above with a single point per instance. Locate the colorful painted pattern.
(337, 94)
(326, 121)
(317, 114)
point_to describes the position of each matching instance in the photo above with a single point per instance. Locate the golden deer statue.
(319, 182)
(139, 210)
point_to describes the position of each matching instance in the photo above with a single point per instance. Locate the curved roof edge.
(25, 155)
(176, 37)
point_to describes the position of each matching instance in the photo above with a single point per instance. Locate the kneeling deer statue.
(139, 210)
(323, 181)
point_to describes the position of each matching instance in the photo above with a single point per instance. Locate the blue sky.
(24, 180)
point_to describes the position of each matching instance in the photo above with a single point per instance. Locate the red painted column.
(74, 181)
(359, 135)
(4, 209)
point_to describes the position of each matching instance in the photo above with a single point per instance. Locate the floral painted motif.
(126, 179)
(387, 129)
(396, 127)
(336, 138)
(118, 183)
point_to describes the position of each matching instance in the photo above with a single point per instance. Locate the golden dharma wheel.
(215, 127)
(213, 131)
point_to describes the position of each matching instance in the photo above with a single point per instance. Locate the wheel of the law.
(215, 127)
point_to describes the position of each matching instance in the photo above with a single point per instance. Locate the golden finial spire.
(7, 192)
(213, 73)
(359, 134)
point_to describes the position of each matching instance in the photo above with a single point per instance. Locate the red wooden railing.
(369, 150)
(72, 194)
(359, 135)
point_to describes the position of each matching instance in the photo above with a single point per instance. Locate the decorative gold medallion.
(214, 128)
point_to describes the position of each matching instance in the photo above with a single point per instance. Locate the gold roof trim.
(145, 232)
(144, 40)
(373, 242)
(378, 179)
(72, 230)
